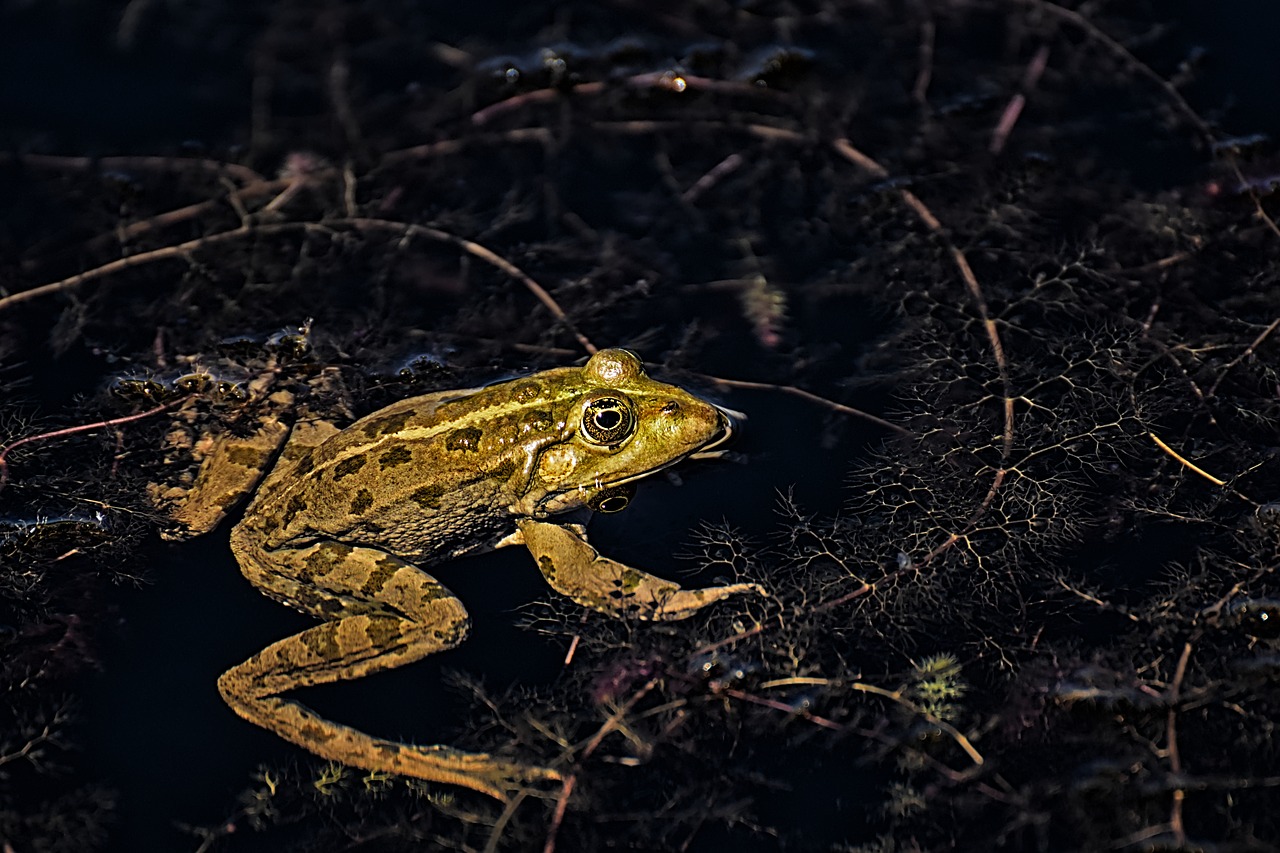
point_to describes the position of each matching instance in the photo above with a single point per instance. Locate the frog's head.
(624, 426)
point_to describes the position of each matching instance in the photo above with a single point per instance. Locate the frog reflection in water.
(345, 523)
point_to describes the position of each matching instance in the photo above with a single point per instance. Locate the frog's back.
(427, 477)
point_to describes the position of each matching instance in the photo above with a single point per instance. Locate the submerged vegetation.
(994, 282)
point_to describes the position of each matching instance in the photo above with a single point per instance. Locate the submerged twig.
(75, 430)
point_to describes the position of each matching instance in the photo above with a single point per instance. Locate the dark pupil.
(608, 419)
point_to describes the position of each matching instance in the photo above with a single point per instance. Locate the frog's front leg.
(575, 569)
(385, 613)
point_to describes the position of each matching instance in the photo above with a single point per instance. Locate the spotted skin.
(576, 570)
(345, 522)
(392, 614)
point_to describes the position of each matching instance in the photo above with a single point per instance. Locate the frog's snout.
(724, 424)
(733, 419)
(725, 427)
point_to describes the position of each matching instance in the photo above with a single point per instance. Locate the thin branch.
(1013, 110)
(1122, 53)
(725, 167)
(182, 250)
(669, 81)
(785, 708)
(1171, 740)
(811, 397)
(484, 254)
(254, 185)
(71, 282)
(1093, 599)
(1248, 351)
(557, 817)
(1188, 464)
(59, 433)
(924, 74)
(961, 262)
(955, 734)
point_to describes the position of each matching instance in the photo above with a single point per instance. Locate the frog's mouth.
(715, 448)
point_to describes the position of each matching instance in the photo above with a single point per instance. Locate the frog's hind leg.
(231, 470)
(390, 613)
(307, 434)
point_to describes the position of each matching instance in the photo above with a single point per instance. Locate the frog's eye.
(607, 420)
(615, 499)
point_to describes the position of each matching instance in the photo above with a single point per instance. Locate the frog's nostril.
(671, 407)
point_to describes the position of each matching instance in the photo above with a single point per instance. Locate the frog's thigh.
(306, 435)
(575, 569)
(227, 474)
(400, 614)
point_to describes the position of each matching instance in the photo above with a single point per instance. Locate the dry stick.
(258, 186)
(610, 724)
(711, 178)
(1186, 463)
(1093, 599)
(71, 282)
(811, 397)
(776, 705)
(895, 696)
(668, 80)
(1009, 118)
(451, 146)
(1249, 350)
(359, 223)
(264, 187)
(961, 262)
(191, 211)
(59, 433)
(500, 825)
(486, 255)
(1157, 266)
(928, 35)
(557, 817)
(1175, 756)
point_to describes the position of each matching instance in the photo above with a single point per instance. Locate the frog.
(344, 525)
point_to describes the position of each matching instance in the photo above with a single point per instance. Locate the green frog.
(346, 523)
